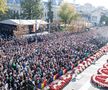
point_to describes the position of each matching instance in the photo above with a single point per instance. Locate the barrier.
(57, 85)
(92, 58)
(64, 71)
(78, 69)
(89, 61)
(82, 66)
(85, 63)
(64, 79)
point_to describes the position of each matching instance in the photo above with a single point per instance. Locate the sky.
(95, 3)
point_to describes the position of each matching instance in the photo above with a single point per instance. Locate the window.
(94, 18)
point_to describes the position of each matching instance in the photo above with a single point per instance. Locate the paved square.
(83, 80)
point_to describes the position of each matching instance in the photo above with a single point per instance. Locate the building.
(55, 9)
(14, 5)
(91, 13)
(96, 16)
(18, 27)
(87, 11)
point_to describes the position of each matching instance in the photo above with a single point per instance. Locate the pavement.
(83, 80)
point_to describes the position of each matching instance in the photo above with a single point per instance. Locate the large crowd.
(24, 63)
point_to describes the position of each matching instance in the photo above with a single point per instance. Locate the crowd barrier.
(57, 85)
(56, 76)
(66, 77)
(61, 82)
(61, 78)
(91, 59)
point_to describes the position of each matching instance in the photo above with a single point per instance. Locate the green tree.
(10, 14)
(104, 19)
(31, 9)
(67, 13)
(3, 6)
(50, 12)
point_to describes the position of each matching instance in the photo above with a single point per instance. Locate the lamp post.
(49, 25)
(20, 10)
(50, 14)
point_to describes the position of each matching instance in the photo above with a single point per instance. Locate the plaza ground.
(83, 80)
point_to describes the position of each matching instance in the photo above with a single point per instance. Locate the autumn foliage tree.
(3, 9)
(3, 6)
(67, 13)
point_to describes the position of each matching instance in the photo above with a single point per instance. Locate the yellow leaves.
(67, 13)
(3, 6)
(67, 6)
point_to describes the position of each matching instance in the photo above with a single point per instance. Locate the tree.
(10, 14)
(67, 13)
(31, 9)
(104, 19)
(50, 12)
(3, 6)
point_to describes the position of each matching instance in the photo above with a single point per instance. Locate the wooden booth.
(15, 27)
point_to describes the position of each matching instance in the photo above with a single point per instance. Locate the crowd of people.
(24, 63)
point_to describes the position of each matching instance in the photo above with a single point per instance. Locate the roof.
(22, 22)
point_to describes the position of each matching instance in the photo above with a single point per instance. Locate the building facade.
(55, 9)
(91, 13)
(87, 11)
(14, 5)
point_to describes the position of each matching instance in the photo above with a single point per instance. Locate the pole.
(20, 17)
(20, 10)
(49, 25)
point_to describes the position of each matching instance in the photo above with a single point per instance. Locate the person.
(74, 77)
(107, 60)
(75, 73)
(45, 57)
